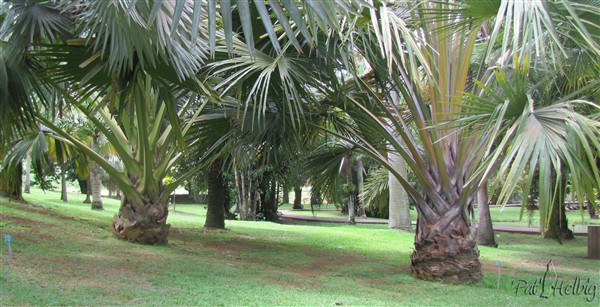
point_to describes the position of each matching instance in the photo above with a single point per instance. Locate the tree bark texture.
(142, 223)
(351, 210)
(360, 180)
(485, 230)
(88, 190)
(297, 198)
(96, 183)
(558, 227)
(28, 174)
(215, 215)
(399, 205)
(351, 190)
(446, 251)
(63, 184)
(286, 194)
(243, 183)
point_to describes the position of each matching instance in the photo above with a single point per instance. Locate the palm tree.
(18, 90)
(147, 158)
(130, 107)
(436, 42)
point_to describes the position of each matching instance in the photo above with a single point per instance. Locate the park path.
(289, 214)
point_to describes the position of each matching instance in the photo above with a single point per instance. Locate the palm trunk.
(399, 205)
(558, 227)
(244, 188)
(485, 231)
(351, 192)
(297, 198)
(270, 203)
(28, 174)
(215, 215)
(88, 190)
(360, 180)
(96, 183)
(351, 210)
(445, 250)
(63, 183)
(286, 194)
(144, 223)
(268, 197)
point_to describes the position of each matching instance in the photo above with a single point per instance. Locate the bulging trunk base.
(450, 260)
(146, 225)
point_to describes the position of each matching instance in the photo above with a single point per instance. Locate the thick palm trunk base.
(146, 225)
(453, 259)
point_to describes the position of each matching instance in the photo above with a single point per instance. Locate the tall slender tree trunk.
(297, 197)
(270, 203)
(96, 183)
(360, 180)
(399, 204)
(63, 183)
(351, 190)
(286, 194)
(28, 174)
(351, 210)
(215, 215)
(485, 230)
(88, 190)
(243, 185)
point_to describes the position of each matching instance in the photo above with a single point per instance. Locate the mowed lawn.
(501, 216)
(65, 254)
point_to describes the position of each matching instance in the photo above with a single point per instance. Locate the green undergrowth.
(65, 254)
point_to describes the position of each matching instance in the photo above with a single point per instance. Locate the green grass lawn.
(65, 254)
(505, 216)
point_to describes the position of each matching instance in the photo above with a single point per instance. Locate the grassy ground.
(507, 216)
(64, 254)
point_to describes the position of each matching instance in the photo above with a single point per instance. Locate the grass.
(501, 216)
(64, 254)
